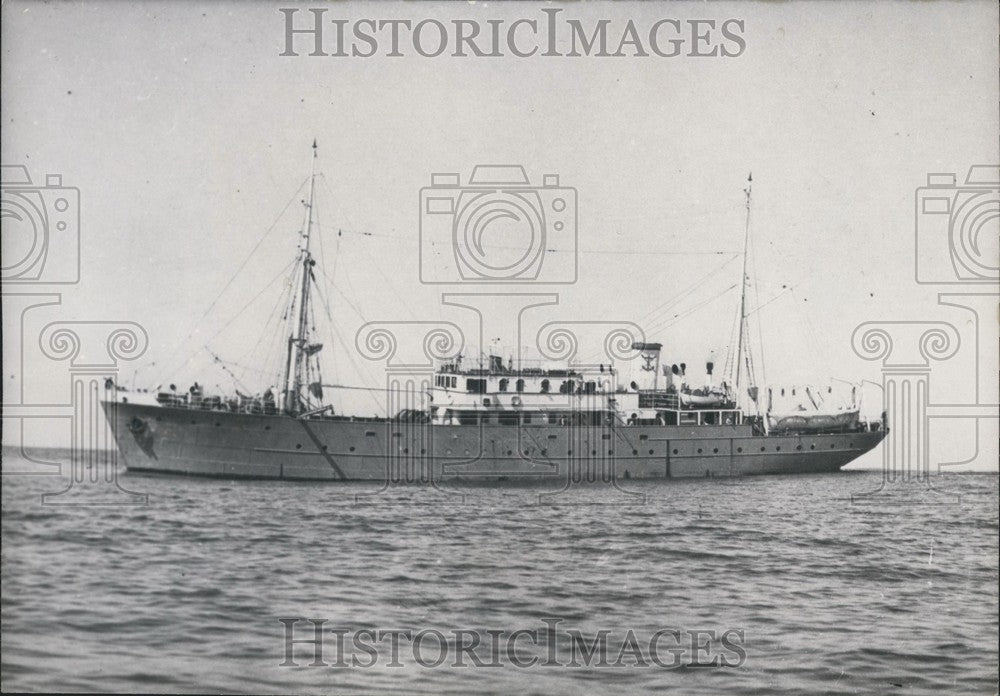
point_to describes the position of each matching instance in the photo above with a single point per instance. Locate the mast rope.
(226, 326)
(168, 362)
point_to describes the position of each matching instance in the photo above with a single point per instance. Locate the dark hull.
(237, 445)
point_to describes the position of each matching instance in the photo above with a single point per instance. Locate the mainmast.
(743, 335)
(298, 343)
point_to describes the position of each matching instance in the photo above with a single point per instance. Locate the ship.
(493, 421)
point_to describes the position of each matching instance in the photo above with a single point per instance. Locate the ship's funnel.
(650, 354)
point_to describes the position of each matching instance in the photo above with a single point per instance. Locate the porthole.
(812, 446)
(352, 448)
(544, 452)
(762, 449)
(298, 446)
(739, 449)
(327, 447)
(509, 452)
(778, 448)
(675, 451)
(715, 450)
(799, 447)
(526, 452)
(635, 451)
(267, 427)
(833, 446)
(699, 450)
(650, 451)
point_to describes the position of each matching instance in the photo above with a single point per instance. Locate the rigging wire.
(239, 270)
(678, 317)
(675, 299)
(756, 297)
(578, 250)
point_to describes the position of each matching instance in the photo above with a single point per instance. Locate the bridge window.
(591, 387)
(503, 384)
(545, 386)
(519, 386)
(475, 386)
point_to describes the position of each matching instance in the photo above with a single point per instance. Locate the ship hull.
(237, 445)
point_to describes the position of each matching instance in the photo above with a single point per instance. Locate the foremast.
(300, 349)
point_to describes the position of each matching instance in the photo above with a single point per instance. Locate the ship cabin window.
(520, 386)
(545, 386)
(591, 388)
(566, 387)
(507, 418)
(503, 384)
(468, 418)
(454, 382)
(526, 418)
(475, 386)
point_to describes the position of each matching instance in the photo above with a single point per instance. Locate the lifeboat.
(812, 421)
(700, 398)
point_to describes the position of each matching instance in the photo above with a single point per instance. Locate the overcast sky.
(187, 134)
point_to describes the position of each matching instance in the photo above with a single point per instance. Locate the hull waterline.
(239, 445)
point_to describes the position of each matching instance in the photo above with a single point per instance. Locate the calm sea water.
(892, 595)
